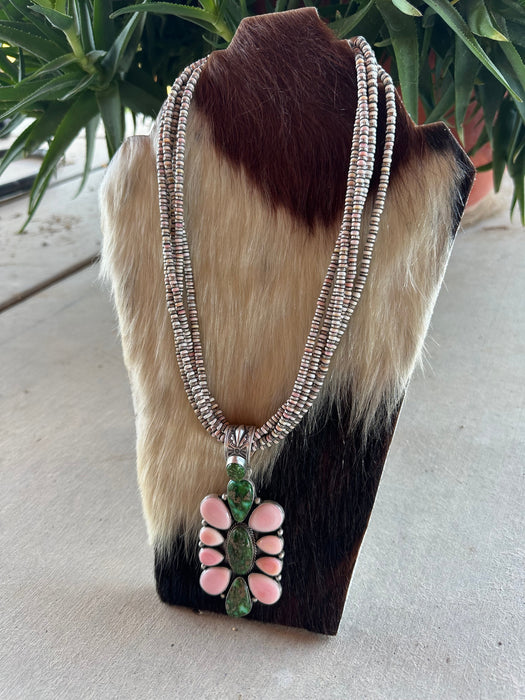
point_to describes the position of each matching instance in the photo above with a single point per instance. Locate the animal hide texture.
(268, 146)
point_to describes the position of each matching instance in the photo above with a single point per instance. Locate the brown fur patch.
(281, 103)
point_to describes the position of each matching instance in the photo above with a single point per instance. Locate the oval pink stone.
(270, 565)
(267, 517)
(265, 589)
(271, 544)
(210, 557)
(215, 581)
(210, 537)
(215, 513)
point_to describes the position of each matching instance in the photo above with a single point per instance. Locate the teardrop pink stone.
(265, 589)
(271, 544)
(215, 513)
(267, 517)
(215, 581)
(210, 557)
(270, 565)
(210, 537)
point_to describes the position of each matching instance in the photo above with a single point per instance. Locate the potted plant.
(69, 64)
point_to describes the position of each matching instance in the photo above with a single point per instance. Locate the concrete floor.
(435, 608)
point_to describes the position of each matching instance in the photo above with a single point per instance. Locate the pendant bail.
(238, 440)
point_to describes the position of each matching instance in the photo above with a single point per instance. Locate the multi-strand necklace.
(241, 538)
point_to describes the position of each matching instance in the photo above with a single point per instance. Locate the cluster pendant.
(241, 545)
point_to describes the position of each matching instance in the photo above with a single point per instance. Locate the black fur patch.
(327, 483)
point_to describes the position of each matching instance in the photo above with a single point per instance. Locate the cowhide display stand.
(268, 144)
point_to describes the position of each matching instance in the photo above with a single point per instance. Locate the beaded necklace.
(245, 538)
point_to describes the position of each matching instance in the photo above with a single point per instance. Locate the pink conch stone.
(271, 544)
(270, 565)
(215, 581)
(215, 513)
(211, 557)
(267, 517)
(210, 537)
(265, 589)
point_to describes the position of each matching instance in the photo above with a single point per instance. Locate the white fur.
(257, 276)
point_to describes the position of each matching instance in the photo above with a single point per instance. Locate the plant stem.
(74, 42)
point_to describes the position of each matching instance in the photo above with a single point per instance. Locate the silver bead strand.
(344, 280)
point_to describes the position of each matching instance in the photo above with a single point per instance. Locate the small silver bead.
(257, 501)
(280, 532)
(281, 555)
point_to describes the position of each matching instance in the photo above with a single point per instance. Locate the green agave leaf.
(21, 65)
(280, 5)
(82, 16)
(11, 124)
(10, 13)
(504, 126)
(480, 21)
(18, 91)
(516, 62)
(407, 8)
(44, 127)
(78, 115)
(429, 18)
(516, 141)
(444, 105)
(26, 25)
(110, 107)
(456, 22)
(511, 78)
(30, 41)
(517, 172)
(56, 19)
(61, 62)
(466, 69)
(34, 21)
(512, 10)
(7, 67)
(104, 31)
(345, 26)
(131, 49)
(230, 13)
(53, 89)
(139, 100)
(79, 87)
(91, 135)
(116, 55)
(196, 15)
(208, 5)
(489, 93)
(403, 32)
(16, 150)
(515, 31)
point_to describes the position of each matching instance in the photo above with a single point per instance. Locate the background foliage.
(68, 64)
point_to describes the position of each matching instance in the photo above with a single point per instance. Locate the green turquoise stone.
(238, 600)
(240, 498)
(236, 471)
(240, 549)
